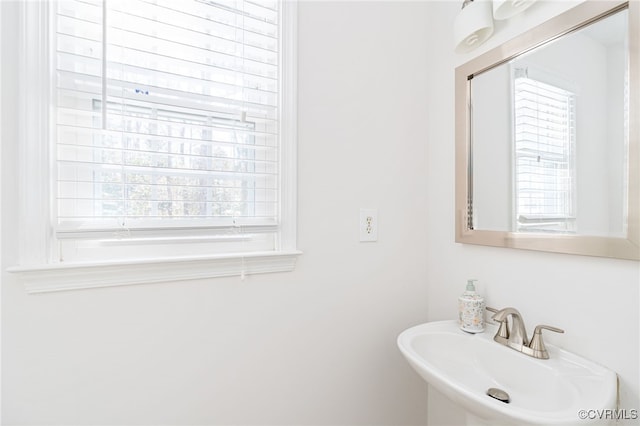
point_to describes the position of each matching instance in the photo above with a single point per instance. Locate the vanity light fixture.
(505, 9)
(473, 25)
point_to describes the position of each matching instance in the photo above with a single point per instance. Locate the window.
(544, 156)
(172, 130)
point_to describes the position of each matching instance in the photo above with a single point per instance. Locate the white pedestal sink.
(464, 366)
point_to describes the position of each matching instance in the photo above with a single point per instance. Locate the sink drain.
(498, 394)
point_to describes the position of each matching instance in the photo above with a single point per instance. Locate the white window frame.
(564, 222)
(37, 269)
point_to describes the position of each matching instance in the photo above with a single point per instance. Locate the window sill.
(61, 277)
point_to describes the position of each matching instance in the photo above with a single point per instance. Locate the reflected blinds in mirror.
(544, 117)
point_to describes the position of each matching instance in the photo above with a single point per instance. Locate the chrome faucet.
(515, 337)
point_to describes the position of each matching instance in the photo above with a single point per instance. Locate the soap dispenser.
(471, 309)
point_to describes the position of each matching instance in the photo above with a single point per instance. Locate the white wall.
(594, 299)
(616, 154)
(493, 155)
(315, 346)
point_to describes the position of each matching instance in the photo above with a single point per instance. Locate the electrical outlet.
(368, 225)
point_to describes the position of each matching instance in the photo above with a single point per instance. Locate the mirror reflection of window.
(544, 149)
(568, 184)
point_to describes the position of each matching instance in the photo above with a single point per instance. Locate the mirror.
(547, 135)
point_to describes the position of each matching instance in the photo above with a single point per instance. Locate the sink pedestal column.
(472, 420)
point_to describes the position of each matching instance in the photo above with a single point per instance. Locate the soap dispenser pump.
(471, 308)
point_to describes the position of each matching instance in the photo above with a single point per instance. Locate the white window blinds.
(166, 125)
(544, 156)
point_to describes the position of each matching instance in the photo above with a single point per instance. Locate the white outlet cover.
(368, 224)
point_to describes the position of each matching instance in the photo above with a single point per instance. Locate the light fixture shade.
(473, 26)
(505, 9)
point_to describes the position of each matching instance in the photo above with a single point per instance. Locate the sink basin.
(464, 366)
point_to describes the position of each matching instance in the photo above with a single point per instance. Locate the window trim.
(37, 269)
(520, 221)
(74, 276)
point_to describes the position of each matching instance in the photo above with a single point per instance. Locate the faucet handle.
(537, 344)
(538, 329)
(503, 330)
